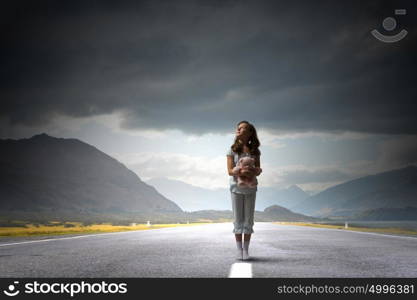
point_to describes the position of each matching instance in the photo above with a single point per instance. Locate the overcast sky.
(161, 85)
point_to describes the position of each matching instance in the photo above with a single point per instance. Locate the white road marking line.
(360, 232)
(384, 234)
(67, 238)
(241, 270)
(98, 234)
(88, 235)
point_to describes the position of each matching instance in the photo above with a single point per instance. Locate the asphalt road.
(209, 250)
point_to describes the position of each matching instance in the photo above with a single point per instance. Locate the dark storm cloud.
(203, 66)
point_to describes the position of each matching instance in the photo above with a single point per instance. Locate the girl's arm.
(236, 171)
(230, 166)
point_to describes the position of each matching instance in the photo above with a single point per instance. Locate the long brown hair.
(253, 141)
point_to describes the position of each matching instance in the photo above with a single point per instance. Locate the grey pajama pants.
(243, 212)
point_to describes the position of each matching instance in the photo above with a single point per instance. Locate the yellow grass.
(32, 230)
(364, 229)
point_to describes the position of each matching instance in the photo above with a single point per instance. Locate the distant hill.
(269, 214)
(193, 198)
(282, 214)
(67, 176)
(287, 197)
(388, 214)
(395, 188)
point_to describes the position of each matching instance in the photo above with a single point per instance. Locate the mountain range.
(57, 177)
(48, 174)
(45, 177)
(193, 198)
(390, 190)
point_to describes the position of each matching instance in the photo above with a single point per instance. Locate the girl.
(243, 199)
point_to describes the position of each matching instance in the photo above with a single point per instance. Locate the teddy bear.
(246, 172)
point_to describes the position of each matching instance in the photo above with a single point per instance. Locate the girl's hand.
(249, 172)
(236, 171)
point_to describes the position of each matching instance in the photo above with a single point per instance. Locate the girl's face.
(243, 131)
